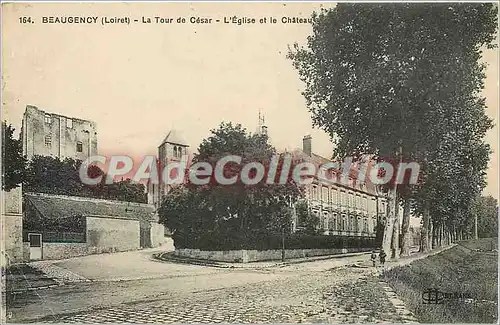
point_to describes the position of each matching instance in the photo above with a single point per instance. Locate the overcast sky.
(139, 81)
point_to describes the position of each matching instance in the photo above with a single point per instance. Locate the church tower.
(173, 148)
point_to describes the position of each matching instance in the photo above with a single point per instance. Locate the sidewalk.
(21, 278)
(390, 264)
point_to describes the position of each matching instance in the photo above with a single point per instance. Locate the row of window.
(345, 223)
(48, 143)
(342, 197)
(69, 122)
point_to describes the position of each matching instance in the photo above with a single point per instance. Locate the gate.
(35, 241)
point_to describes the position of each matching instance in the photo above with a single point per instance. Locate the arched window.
(175, 151)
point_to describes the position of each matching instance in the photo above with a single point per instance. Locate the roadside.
(456, 286)
(191, 285)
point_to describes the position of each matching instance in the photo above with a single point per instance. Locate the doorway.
(35, 241)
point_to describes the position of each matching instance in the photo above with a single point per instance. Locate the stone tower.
(173, 148)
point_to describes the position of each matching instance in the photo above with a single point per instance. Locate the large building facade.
(349, 208)
(48, 134)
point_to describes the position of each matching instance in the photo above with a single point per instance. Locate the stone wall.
(245, 256)
(112, 235)
(157, 234)
(11, 232)
(55, 251)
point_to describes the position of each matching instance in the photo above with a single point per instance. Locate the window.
(79, 146)
(175, 151)
(48, 140)
(48, 119)
(69, 123)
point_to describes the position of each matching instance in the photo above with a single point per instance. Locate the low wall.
(245, 256)
(55, 251)
(106, 235)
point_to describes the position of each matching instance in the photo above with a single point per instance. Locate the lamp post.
(283, 243)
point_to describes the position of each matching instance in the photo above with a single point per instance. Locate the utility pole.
(283, 243)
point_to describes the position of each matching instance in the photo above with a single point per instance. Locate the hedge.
(211, 241)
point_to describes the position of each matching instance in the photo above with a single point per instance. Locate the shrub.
(212, 240)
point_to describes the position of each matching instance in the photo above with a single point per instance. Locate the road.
(132, 287)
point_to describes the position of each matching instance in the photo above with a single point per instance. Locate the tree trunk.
(475, 226)
(440, 235)
(395, 232)
(431, 234)
(389, 223)
(424, 230)
(405, 234)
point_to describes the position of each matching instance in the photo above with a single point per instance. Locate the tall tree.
(485, 208)
(13, 161)
(235, 208)
(379, 76)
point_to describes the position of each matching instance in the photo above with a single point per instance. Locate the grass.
(470, 268)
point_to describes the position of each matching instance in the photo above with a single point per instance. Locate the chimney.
(307, 145)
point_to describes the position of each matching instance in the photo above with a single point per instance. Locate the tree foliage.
(45, 174)
(486, 210)
(230, 209)
(403, 81)
(13, 161)
(306, 220)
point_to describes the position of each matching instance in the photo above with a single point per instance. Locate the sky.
(139, 81)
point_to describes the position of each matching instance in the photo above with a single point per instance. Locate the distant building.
(350, 209)
(55, 135)
(60, 226)
(172, 149)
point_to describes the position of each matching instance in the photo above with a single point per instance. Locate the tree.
(13, 161)
(235, 208)
(485, 208)
(305, 219)
(45, 174)
(380, 79)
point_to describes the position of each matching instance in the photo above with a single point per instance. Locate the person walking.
(382, 257)
(374, 257)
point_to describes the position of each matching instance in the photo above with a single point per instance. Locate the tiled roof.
(59, 207)
(318, 160)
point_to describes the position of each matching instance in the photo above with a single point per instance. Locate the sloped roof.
(174, 137)
(367, 186)
(61, 207)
